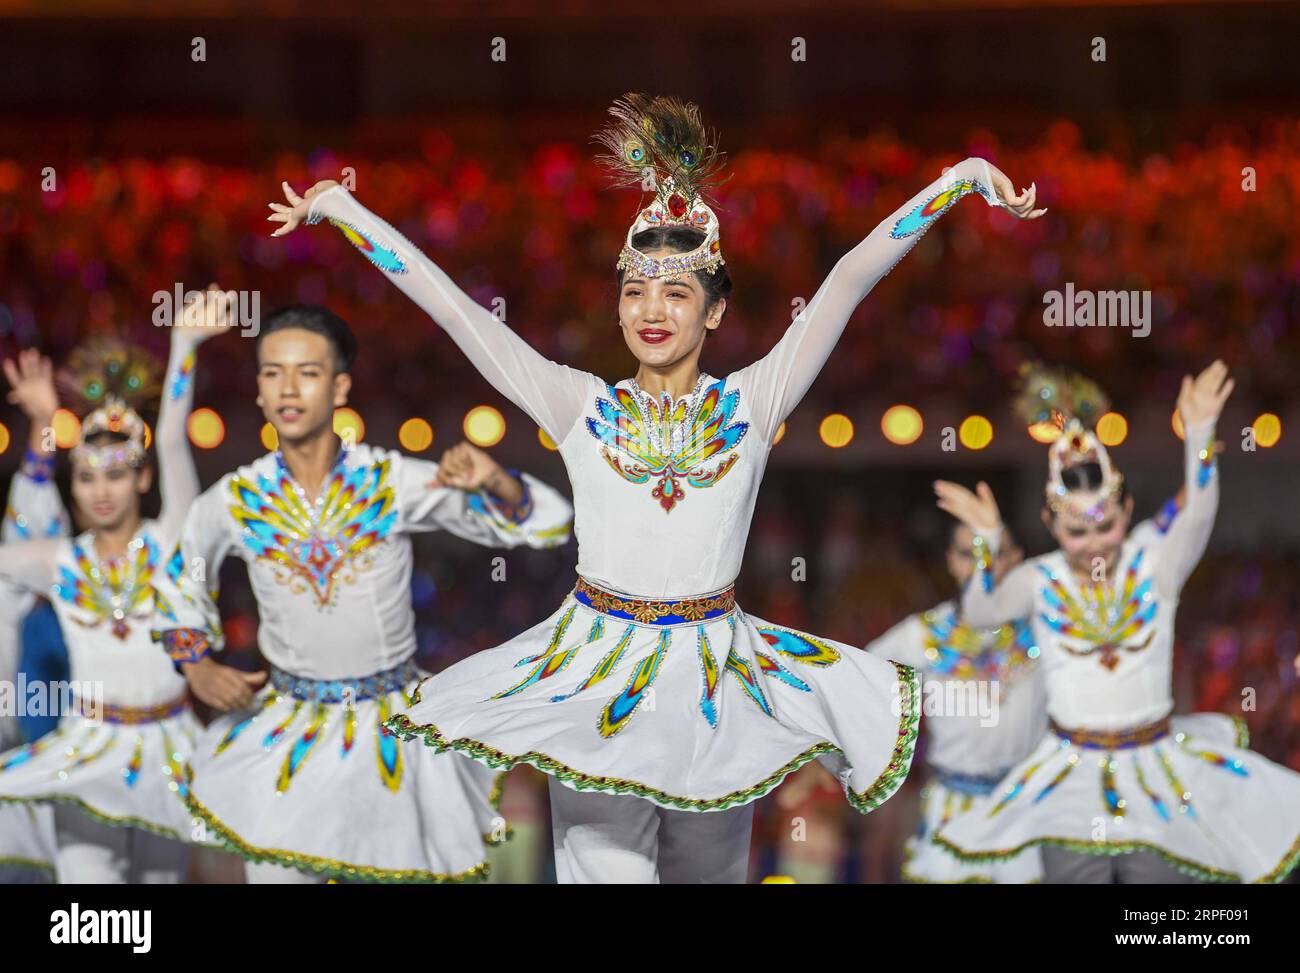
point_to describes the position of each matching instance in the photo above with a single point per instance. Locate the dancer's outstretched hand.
(466, 467)
(222, 687)
(31, 386)
(978, 511)
(1201, 399)
(296, 211)
(1021, 204)
(214, 312)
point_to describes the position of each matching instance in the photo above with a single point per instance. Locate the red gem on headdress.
(677, 206)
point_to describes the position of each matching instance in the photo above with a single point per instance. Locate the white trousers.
(90, 853)
(267, 873)
(608, 838)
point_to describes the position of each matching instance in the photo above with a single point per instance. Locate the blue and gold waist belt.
(979, 785)
(1135, 736)
(345, 690)
(646, 612)
(130, 715)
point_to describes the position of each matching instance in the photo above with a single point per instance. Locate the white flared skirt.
(123, 774)
(322, 788)
(1196, 797)
(697, 716)
(926, 862)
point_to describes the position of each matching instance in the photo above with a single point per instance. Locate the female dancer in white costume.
(649, 694)
(1120, 788)
(34, 510)
(987, 715)
(112, 768)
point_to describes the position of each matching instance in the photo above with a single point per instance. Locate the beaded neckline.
(700, 383)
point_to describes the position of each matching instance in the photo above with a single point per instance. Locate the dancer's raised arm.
(178, 480)
(780, 379)
(553, 395)
(34, 509)
(1200, 401)
(985, 603)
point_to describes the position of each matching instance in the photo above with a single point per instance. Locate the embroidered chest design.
(672, 442)
(311, 546)
(1106, 619)
(957, 650)
(110, 592)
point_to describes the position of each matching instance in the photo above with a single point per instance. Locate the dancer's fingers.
(293, 198)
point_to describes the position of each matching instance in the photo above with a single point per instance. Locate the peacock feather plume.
(664, 134)
(1057, 395)
(107, 367)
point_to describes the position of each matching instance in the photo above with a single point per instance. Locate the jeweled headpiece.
(661, 145)
(1073, 404)
(105, 381)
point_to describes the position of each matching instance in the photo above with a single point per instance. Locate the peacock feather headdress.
(1072, 403)
(106, 381)
(661, 145)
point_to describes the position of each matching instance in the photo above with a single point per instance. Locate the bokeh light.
(902, 425)
(484, 426)
(415, 435)
(836, 430)
(1268, 430)
(206, 429)
(975, 432)
(348, 426)
(1044, 432)
(1112, 429)
(67, 429)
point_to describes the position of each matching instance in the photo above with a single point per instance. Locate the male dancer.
(303, 781)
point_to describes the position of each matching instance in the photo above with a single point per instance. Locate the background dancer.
(1120, 789)
(969, 746)
(303, 781)
(112, 769)
(34, 510)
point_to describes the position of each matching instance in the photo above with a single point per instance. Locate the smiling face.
(1085, 541)
(664, 319)
(107, 498)
(298, 386)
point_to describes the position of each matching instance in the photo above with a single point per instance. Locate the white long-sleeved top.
(663, 491)
(332, 575)
(34, 511)
(105, 605)
(971, 730)
(1107, 650)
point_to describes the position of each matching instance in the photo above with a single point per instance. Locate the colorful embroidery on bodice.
(644, 437)
(956, 650)
(1103, 619)
(111, 591)
(312, 545)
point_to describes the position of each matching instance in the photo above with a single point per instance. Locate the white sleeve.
(178, 479)
(34, 509)
(542, 519)
(30, 565)
(186, 621)
(986, 605)
(553, 395)
(778, 381)
(1184, 541)
(902, 643)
